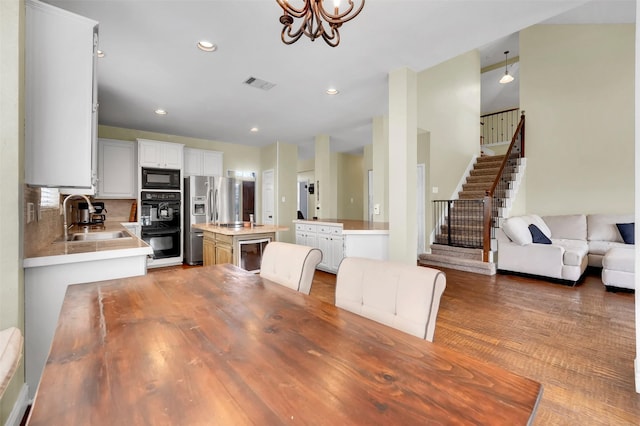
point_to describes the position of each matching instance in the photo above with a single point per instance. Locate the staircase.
(464, 224)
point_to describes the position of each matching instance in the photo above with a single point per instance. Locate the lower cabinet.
(327, 238)
(220, 248)
(209, 249)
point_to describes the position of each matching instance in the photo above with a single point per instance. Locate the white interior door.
(420, 214)
(268, 211)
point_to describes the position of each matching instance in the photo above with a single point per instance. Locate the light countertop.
(61, 252)
(352, 226)
(245, 230)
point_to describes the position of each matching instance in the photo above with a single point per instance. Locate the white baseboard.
(19, 408)
(637, 370)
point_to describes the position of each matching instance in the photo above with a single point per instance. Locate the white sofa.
(577, 241)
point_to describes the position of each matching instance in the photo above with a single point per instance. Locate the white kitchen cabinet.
(202, 162)
(330, 244)
(163, 155)
(117, 166)
(337, 241)
(60, 98)
(306, 235)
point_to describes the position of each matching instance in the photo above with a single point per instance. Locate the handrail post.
(486, 237)
(449, 222)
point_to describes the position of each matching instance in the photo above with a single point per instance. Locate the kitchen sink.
(97, 236)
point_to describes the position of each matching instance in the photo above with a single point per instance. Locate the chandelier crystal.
(315, 20)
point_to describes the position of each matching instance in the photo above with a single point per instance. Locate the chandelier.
(316, 21)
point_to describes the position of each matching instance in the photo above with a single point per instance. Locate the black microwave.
(167, 179)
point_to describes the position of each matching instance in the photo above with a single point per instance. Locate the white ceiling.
(151, 62)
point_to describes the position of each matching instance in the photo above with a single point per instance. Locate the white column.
(403, 136)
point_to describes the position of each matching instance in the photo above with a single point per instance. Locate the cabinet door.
(116, 169)
(60, 101)
(149, 154)
(211, 163)
(337, 252)
(324, 244)
(208, 251)
(224, 254)
(192, 162)
(173, 155)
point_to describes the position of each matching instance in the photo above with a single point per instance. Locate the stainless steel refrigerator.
(208, 199)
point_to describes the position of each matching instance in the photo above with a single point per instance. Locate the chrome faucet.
(64, 211)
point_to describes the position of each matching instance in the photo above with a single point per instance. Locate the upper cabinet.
(60, 98)
(117, 169)
(164, 155)
(202, 162)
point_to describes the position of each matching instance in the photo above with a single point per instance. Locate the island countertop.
(61, 252)
(245, 230)
(351, 226)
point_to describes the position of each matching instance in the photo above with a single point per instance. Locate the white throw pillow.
(537, 221)
(517, 229)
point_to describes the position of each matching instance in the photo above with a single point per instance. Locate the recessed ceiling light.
(100, 54)
(161, 111)
(254, 129)
(332, 91)
(207, 46)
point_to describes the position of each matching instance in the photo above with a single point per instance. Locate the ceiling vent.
(259, 84)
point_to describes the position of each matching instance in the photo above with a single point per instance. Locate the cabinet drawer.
(224, 239)
(310, 228)
(333, 230)
(300, 226)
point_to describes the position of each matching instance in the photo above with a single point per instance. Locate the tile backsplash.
(49, 223)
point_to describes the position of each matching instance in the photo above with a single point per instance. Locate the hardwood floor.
(579, 342)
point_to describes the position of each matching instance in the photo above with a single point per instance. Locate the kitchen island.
(49, 270)
(339, 238)
(240, 246)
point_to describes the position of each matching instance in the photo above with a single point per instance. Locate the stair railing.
(496, 194)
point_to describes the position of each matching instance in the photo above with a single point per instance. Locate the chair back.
(291, 265)
(11, 345)
(402, 296)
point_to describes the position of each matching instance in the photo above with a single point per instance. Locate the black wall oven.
(163, 179)
(160, 220)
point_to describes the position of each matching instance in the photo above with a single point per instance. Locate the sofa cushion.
(601, 247)
(620, 259)
(627, 232)
(568, 227)
(603, 226)
(574, 251)
(517, 230)
(538, 236)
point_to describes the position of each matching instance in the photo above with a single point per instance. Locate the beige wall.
(449, 110)
(350, 194)
(11, 172)
(576, 86)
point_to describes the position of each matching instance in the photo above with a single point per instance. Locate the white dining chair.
(402, 296)
(291, 265)
(11, 344)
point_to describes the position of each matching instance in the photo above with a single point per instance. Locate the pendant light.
(506, 78)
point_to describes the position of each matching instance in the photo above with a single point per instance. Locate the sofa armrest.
(536, 259)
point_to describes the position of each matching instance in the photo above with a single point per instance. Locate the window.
(49, 198)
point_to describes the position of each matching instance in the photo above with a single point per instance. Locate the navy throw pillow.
(538, 236)
(627, 231)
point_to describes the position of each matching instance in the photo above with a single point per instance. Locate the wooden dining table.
(217, 345)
